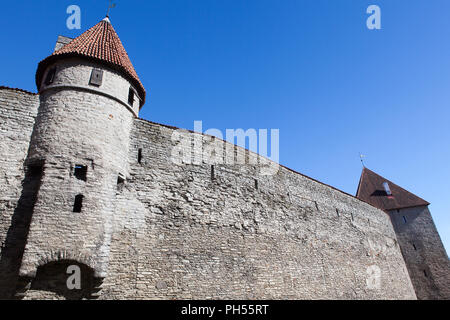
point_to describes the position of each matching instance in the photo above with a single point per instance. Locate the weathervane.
(361, 156)
(110, 6)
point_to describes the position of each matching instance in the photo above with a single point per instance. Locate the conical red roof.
(102, 44)
(371, 190)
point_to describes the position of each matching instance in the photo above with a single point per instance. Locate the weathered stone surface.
(223, 238)
(159, 229)
(172, 231)
(424, 254)
(18, 110)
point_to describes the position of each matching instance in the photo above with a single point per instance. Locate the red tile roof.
(371, 190)
(100, 43)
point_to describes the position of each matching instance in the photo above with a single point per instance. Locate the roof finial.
(110, 6)
(361, 156)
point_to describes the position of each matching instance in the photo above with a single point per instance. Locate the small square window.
(96, 77)
(80, 172)
(50, 76)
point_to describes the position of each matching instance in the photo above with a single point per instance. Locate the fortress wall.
(18, 110)
(179, 234)
(423, 251)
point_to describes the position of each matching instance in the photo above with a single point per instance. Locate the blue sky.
(310, 68)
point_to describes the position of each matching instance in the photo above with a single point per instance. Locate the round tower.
(89, 95)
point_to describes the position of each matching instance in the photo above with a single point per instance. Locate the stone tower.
(421, 246)
(89, 96)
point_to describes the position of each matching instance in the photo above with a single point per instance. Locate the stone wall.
(423, 251)
(185, 231)
(18, 110)
(181, 232)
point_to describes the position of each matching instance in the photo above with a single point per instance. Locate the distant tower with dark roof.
(425, 256)
(90, 95)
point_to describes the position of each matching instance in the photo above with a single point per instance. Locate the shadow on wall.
(51, 277)
(16, 238)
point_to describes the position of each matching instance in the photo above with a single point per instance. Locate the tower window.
(131, 96)
(414, 246)
(96, 77)
(78, 203)
(425, 273)
(120, 182)
(50, 76)
(404, 219)
(256, 184)
(337, 212)
(140, 156)
(80, 172)
(213, 174)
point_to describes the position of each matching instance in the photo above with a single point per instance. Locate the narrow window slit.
(120, 182)
(78, 205)
(337, 212)
(425, 273)
(256, 184)
(140, 156)
(213, 175)
(131, 96)
(50, 76)
(414, 246)
(404, 219)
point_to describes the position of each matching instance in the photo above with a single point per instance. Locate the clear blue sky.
(310, 68)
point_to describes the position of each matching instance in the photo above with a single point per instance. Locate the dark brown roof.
(371, 190)
(100, 43)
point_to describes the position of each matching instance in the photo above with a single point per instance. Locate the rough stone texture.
(18, 110)
(181, 235)
(172, 230)
(423, 251)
